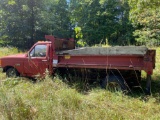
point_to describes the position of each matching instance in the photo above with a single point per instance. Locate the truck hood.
(15, 56)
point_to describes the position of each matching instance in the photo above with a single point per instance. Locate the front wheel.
(12, 72)
(114, 83)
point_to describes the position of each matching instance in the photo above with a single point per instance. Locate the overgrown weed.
(4, 51)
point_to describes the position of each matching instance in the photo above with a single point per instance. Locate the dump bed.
(119, 57)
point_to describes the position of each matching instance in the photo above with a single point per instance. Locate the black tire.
(12, 72)
(114, 81)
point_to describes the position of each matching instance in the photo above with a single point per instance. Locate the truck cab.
(39, 59)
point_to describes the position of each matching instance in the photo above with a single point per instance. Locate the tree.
(102, 20)
(123, 34)
(145, 16)
(25, 21)
(20, 18)
(62, 20)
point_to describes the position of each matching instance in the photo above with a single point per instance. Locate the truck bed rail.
(118, 50)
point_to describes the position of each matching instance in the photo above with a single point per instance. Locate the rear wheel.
(114, 83)
(12, 72)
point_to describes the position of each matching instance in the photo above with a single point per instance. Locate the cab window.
(39, 51)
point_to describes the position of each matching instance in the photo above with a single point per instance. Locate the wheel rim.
(11, 72)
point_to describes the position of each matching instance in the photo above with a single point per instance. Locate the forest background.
(113, 22)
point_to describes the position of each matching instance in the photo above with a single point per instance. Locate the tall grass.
(51, 99)
(8, 51)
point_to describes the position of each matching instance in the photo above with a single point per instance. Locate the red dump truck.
(121, 64)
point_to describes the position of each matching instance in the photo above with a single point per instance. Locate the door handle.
(44, 60)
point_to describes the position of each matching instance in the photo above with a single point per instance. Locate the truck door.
(38, 61)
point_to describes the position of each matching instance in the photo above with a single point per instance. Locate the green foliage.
(58, 19)
(23, 22)
(78, 32)
(11, 2)
(81, 43)
(116, 22)
(145, 16)
(101, 20)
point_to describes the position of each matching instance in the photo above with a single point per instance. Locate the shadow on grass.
(140, 93)
(155, 85)
(84, 86)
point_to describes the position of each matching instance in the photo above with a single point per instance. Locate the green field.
(51, 99)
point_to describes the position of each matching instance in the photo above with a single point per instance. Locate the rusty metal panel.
(101, 62)
(61, 44)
